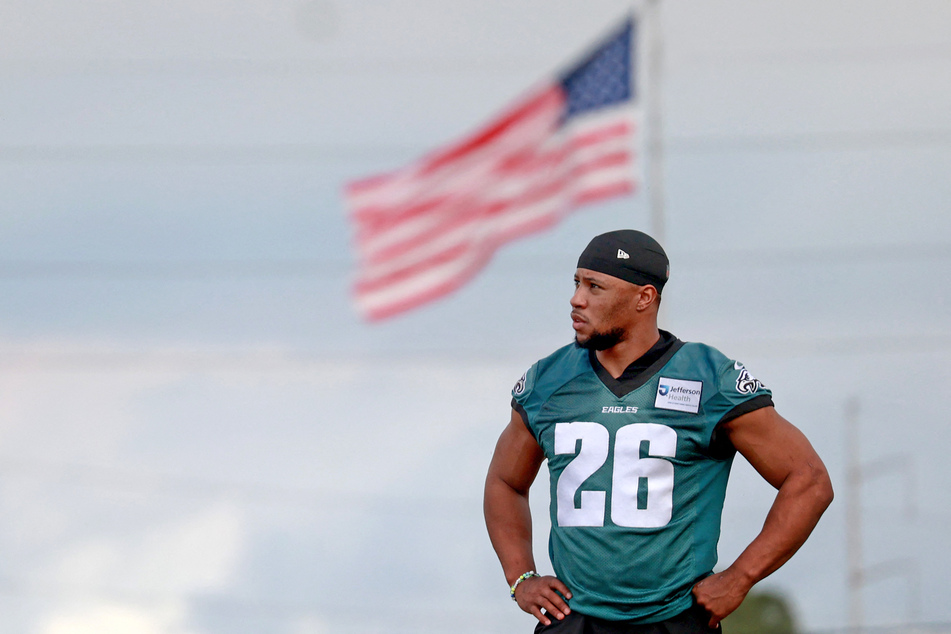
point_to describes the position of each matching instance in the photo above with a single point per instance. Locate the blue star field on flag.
(604, 77)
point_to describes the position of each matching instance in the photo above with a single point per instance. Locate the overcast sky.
(198, 434)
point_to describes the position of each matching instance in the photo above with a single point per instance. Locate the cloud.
(107, 619)
(140, 582)
(194, 554)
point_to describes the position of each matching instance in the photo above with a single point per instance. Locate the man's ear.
(647, 296)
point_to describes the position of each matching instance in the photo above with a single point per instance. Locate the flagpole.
(655, 130)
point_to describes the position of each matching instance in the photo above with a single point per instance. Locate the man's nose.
(577, 299)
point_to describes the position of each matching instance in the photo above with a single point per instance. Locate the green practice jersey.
(638, 477)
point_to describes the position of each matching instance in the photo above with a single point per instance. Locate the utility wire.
(208, 154)
(154, 484)
(173, 270)
(451, 66)
(240, 606)
(543, 265)
(811, 142)
(36, 359)
(316, 153)
(930, 627)
(370, 68)
(817, 56)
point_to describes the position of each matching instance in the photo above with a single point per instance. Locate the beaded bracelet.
(530, 573)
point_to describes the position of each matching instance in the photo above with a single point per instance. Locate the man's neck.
(616, 359)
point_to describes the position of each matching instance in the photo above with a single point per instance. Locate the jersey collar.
(641, 370)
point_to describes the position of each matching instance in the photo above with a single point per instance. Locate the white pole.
(853, 517)
(654, 120)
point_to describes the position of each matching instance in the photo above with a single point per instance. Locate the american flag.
(425, 230)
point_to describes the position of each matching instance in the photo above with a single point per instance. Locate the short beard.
(602, 340)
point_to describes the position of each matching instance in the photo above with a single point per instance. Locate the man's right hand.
(537, 593)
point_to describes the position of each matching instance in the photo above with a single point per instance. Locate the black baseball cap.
(627, 254)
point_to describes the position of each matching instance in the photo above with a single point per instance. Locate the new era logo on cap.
(622, 255)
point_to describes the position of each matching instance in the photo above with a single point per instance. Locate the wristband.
(530, 573)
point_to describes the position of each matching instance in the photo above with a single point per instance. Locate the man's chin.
(600, 340)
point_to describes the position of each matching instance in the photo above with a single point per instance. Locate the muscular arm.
(508, 519)
(784, 457)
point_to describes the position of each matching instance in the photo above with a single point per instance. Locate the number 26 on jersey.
(642, 487)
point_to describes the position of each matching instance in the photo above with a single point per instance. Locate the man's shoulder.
(732, 378)
(567, 356)
(700, 356)
(702, 352)
(548, 374)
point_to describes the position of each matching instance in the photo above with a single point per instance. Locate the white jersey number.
(642, 488)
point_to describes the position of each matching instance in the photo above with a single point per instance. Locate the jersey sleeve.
(522, 394)
(738, 392)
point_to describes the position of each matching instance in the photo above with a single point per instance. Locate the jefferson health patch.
(678, 395)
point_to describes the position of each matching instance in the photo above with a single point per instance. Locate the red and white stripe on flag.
(425, 230)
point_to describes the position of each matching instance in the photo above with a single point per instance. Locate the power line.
(172, 270)
(303, 268)
(154, 484)
(215, 154)
(811, 142)
(310, 153)
(239, 606)
(932, 627)
(446, 66)
(830, 255)
(842, 345)
(816, 56)
(41, 359)
(436, 66)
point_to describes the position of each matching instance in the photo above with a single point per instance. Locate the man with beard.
(640, 429)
